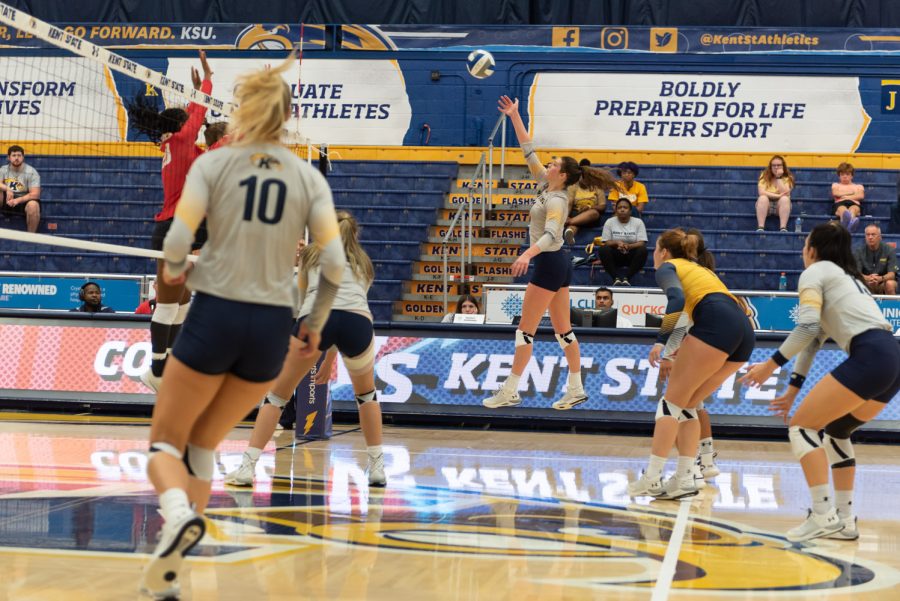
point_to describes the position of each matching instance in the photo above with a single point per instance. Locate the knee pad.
(276, 401)
(181, 315)
(843, 426)
(165, 313)
(566, 339)
(522, 338)
(803, 440)
(839, 451)
(200, 462)
(362, 363)
(667, 409)
(367, 397)
(164, 447)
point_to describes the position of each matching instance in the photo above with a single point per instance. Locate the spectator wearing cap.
(624, 244)
(629, 188)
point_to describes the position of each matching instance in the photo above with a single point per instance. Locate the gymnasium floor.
(467, 515)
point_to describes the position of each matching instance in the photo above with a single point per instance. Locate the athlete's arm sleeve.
(324, 232)
(196, 112)
(677, 336)
(188, 214)
(531, 159)
(668, 280)
(556, 214)
(809, 318)
(804, 361)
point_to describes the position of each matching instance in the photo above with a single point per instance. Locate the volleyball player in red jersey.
(176, 131)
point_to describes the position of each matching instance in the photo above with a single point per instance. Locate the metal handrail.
(501, 121)
(464, 221)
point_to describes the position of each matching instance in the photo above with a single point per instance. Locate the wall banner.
(697, 113)
(60, 293)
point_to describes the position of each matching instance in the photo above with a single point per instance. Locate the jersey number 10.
(262, 210)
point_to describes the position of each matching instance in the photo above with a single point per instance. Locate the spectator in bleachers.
(624, 244)
(586, 207)
(877, 262)
(20, 185)
(775, 185)
(847, 197)
(91, 297)
(603, 299)
(630, 188)
(465, 305)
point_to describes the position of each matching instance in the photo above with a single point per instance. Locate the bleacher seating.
(113, 200)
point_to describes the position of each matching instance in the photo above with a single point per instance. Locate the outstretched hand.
(207, 72)
(507, 106)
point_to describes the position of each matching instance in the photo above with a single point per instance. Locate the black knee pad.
(843, 427)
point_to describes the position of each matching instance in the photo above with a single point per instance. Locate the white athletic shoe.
(180, 535)
(645, 486)
(376, 471)
(816, 525)
(569, 236)
(699, 482)
(571, 399)
(150, 381)
(502, 399)
(679, 488)
(709, 471)
(243, 475)
(850, 531)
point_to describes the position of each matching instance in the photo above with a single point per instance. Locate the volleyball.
(480, 64)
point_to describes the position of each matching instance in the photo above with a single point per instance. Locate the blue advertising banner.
(313, 405)
(616, 374)
(38, 292)
(146, 36)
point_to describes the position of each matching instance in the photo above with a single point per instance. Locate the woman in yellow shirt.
(774, 188)
(629, 188)
(586, 206)
(720, 341)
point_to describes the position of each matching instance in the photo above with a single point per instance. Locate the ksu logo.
(262, 160)
(257, 37)
(15, 185)
(889, 89)
(512, 305)
(664, 39)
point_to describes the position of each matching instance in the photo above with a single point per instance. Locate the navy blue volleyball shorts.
(721, 323)
(248, 340)
(872, 371)
(552, 270)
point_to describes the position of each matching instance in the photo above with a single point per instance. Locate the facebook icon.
(566, 36)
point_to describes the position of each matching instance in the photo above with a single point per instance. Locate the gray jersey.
(258, 201)
(351, 295)
(21, 181)
(834, 305)
(548, 216)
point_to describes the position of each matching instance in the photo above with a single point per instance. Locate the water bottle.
(782, 282)
(798, 223)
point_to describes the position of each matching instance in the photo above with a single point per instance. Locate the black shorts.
(162, 228)
(19, 209)
(721, 323)
(845, 203)
(350, 332)
(225, 336)
(552, 270)
(872, 371)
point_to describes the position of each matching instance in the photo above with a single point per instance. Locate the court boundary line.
(670, 559)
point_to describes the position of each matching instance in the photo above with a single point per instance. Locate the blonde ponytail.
(264, 104)
(359, 261)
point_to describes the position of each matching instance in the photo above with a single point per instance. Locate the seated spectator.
(91, 298)
(148, 306)
(603, 299)
(20, 185)
(624, 244)
(465, 305)
(586, 207)
(847, 197)
(774, 187)
(877, 261)
(629, 188)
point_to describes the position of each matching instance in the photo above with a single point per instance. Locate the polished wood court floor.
(467, 515)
